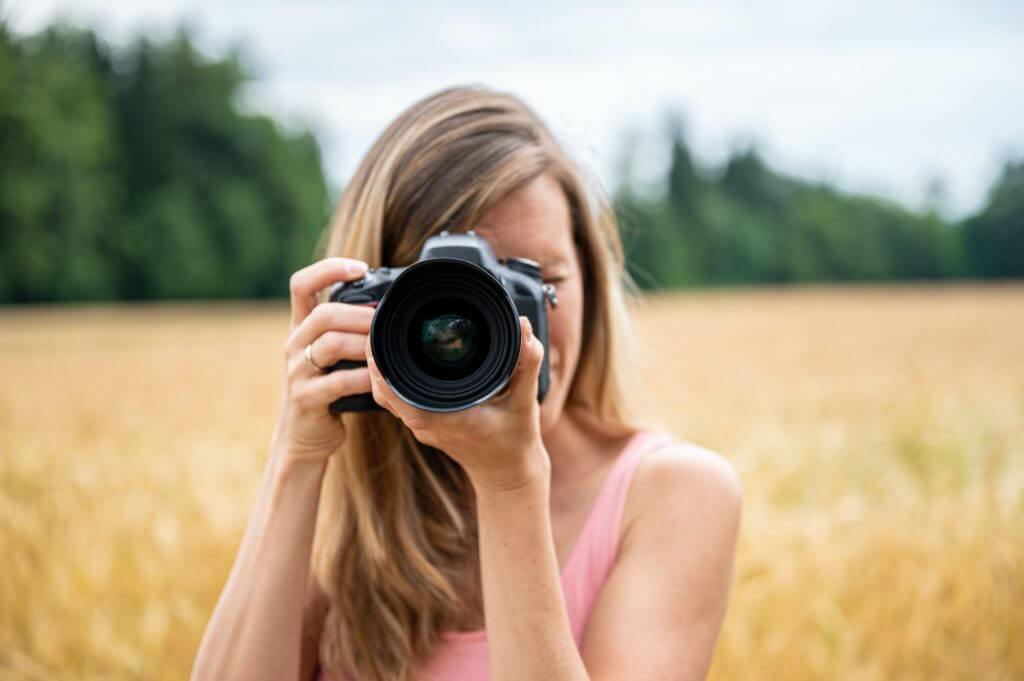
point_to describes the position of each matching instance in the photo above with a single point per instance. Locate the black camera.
(445, 332)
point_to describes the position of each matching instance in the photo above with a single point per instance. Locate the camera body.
(445, 332)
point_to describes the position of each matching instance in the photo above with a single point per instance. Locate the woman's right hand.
(306, 429)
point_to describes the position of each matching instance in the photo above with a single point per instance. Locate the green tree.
(744, 222)
(994, 238)
(132, 174)
(57, 144)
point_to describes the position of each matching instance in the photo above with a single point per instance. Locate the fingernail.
(529, 326)
(356, 269)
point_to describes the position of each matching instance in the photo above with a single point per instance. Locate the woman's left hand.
(497, 442)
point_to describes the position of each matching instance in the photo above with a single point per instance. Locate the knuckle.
(295, 369)
(332, 344)
(295, 281)
(321, 313)
(304, 400)
(320, 318)
(290, 345)
(418, 423)
(380, 395)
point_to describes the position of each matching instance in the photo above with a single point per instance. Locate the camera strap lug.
(551, 294)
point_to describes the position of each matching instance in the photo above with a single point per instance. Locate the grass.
(879, 433)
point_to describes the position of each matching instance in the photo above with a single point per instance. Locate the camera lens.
(448, 344)
(446, 335)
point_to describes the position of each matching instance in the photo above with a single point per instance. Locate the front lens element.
(449, 339)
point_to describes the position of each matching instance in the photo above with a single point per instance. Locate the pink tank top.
(462, 655)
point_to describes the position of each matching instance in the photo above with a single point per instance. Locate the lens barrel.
(446, 335)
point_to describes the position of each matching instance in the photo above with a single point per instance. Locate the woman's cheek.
(565, 329)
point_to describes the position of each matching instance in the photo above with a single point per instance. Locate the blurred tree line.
(746, 223)
(132, 173)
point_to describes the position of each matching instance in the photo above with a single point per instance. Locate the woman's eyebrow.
(552, 263)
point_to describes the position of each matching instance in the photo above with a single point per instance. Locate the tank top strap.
(616, 489)
(598, 542)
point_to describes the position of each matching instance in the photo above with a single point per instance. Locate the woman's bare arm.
(659, 614)
(256, 629)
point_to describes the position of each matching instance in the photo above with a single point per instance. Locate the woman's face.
(534, 222)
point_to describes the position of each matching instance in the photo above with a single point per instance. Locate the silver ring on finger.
(309, 358)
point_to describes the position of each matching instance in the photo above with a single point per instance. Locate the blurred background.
(823, 204)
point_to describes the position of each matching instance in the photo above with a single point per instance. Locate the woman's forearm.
(255, 630)
(528, 630)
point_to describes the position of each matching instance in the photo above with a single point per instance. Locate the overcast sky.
(878, 95)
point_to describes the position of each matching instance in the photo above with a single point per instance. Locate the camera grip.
(358, 402)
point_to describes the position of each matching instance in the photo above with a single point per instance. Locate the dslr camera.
(445, 331)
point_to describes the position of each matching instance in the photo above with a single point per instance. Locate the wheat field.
(879, 432)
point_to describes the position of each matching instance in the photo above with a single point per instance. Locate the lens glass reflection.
(448, 339)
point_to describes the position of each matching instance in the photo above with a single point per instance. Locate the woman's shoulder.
(685, 483)
(678, 463)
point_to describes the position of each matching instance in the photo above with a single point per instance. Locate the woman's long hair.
(396, 531)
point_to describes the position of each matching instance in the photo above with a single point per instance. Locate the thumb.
(523, 384)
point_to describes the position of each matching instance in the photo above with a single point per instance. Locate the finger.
(383, 394)
(333, 346)
(379, 386)
(320, 391)
(310, 280)
(531, 354)
(331, 317)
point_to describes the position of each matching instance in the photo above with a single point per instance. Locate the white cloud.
(876, 95)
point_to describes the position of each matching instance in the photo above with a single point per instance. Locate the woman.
(514, 540)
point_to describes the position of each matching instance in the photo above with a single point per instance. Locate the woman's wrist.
(290, 472)
(530, 470)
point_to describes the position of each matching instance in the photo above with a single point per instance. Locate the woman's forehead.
(532, 222)
(547, 245)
